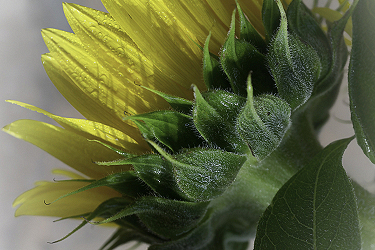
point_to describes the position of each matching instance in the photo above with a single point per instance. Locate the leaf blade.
(362, 76)
(308, 212)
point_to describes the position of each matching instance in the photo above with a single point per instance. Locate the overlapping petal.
(95, 131)
(96, 80)
(103, 38)
(162, 37)
(252, 9)
(71, 148)
(33, 202)
(86, 104)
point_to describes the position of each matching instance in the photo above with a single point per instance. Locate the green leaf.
(204, 174)
(362, 76)
(302, 22)
(315, 209)
(263, 122)
(249, 33)
(213, 75)
(366, 206)
(294, 65)
(270, 17)
(238, 58)
(173, 129)
(214, 117)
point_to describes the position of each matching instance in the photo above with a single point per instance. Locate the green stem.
(241, 206)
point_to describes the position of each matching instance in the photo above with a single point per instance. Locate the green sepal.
(217, 231)
(315, 209)
(126, 183)
(177, 103)
(157, 173)
(238, 58)
(326, 90)
(339, 51)
(213, 75)
(171, 218)
(120, 152)
(204, 174)
(303, 23)
(197, 239)
(167, 218)
(225, 103)
(171, 128)
(271, 18)
(263, 122)
(249, 33)
(214, 117)
(362, 77)
(294, 65)
(125, 235)
(110, 206)
(73, 217)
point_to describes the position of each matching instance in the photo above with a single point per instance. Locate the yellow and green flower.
(201, 125)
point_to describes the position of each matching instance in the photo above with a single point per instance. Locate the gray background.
(22, 78)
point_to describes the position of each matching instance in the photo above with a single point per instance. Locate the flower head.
(175, 155)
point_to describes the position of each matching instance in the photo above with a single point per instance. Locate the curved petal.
(86, 104)
(67, 173)
(199, 18)
(32, 202)
(251, 8)
(70, 148)
(162, 38)
(102, 37)
(95, 131)
(113, 90)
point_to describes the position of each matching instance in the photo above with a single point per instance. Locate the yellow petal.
(67, 173)
(103, 38)
(96, 80)
(70, 148)
(162, 38)
(32, 202)
(96, 131)
(251, 8)
(87, 105)
(197, 17)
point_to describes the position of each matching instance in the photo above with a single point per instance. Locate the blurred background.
(22, 78)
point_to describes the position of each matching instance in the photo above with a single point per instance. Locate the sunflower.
(177, 157)
(101, 71)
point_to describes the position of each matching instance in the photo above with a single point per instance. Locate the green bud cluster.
(205, 186)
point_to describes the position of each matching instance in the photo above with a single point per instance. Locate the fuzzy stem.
(241, 206)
